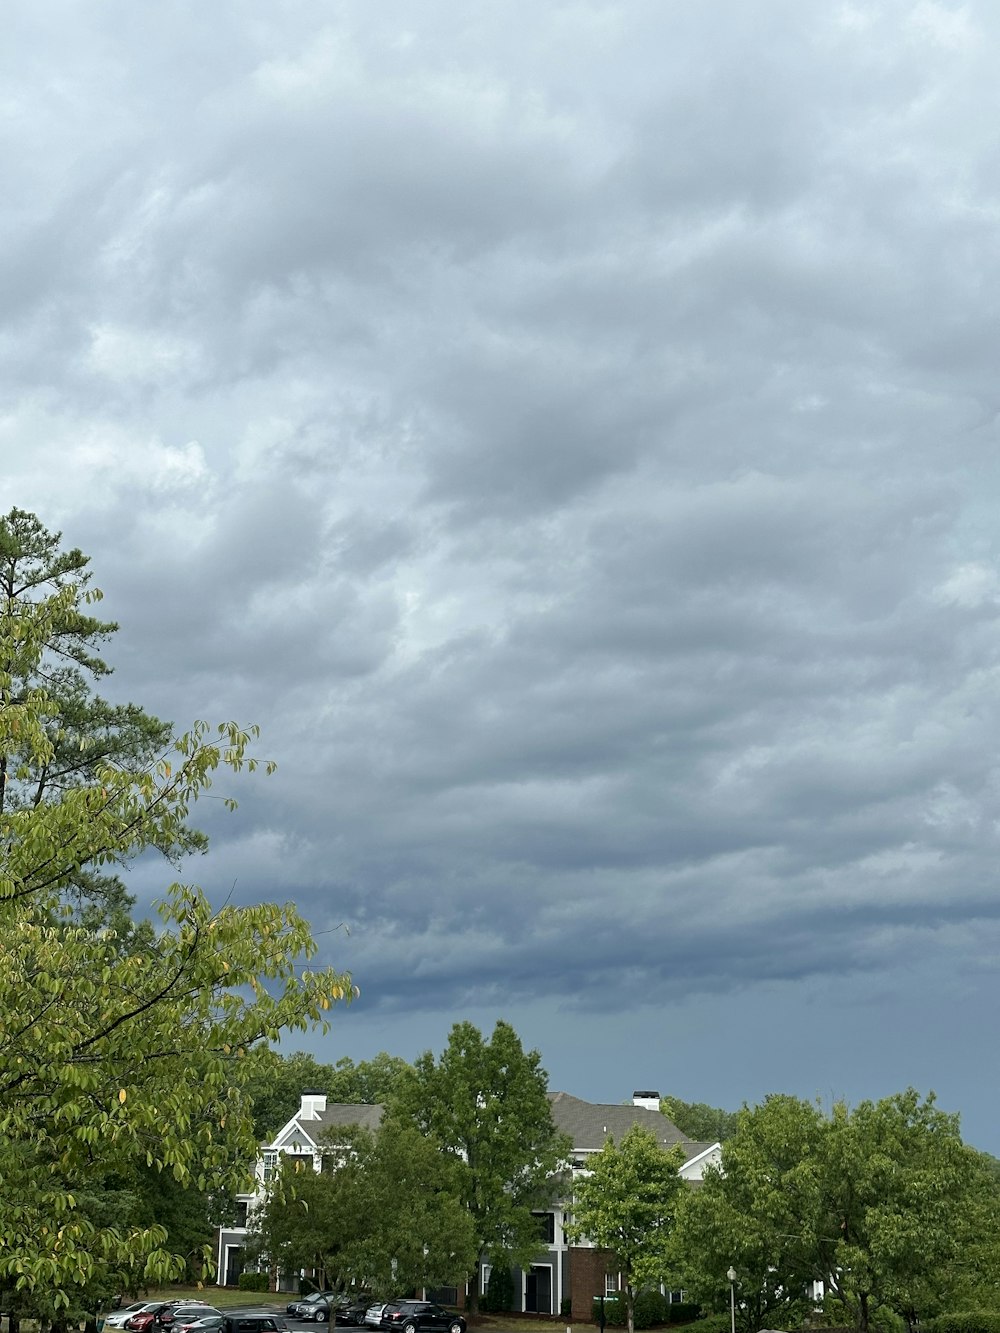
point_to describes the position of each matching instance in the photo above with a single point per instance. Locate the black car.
(354, 1314)
(238, 1322)
(414, 1316)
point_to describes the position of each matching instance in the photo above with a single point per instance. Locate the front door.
(234, 1264)
(538, 1290)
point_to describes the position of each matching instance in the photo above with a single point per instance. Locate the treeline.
(876, 1216)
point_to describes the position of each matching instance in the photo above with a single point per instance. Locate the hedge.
(964, 1321)
(253, 1282)
(651, 1308)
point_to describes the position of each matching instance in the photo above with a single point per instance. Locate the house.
(306, 1137)
(563, 1271)
(579, 1272)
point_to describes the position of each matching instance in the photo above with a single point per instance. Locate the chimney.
(313, 1104)
(650, 1101)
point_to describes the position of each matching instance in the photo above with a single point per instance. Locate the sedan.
(117, 1318)
(415, 1316)
(353, 1314)
(142, 1319)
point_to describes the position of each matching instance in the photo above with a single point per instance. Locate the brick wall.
(586, 1278)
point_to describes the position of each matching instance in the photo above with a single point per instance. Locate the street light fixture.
(731, 1274)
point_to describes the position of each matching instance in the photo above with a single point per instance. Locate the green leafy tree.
(758, 1213)
(882, 1203)
(83, 731)
(627, 1203)
(114, 1057)
(384, 1213)
(897, 1183)
(276, 1091)
(486, 1103)
(699, 1121)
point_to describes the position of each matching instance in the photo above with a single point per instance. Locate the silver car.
(373, 1315)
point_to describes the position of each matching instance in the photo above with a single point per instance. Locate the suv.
(308, 1307)
(253, 1323)
(414, 1316)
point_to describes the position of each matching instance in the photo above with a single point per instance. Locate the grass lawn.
(223, 1298)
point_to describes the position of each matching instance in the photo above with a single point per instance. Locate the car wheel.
(322, 1316)
(410, 1327)
(455, 1327)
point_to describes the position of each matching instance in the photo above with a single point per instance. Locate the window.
(484, 1272)
(611, 1284)
(675, 1297)
(546, 1227)
(241, 1212)
(270, 1164)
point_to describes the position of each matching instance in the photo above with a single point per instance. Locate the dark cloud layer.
(572, 436)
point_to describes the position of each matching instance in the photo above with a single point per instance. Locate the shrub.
(566, 1306)
(499, 1293)
(253, 1282)
(614, 1310)
(712, 1323)
(650, 1309)
(964, 1321)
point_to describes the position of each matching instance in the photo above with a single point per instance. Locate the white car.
(116, 1319)
(373, 1315)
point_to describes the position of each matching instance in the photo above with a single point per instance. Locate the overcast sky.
(570, 431)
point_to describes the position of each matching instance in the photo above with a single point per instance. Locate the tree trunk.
(472, 1301)
(863, 1313)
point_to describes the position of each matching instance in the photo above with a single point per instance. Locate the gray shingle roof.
(344, 1113)
(591, 1124)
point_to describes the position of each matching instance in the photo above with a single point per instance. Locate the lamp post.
(731, 1274)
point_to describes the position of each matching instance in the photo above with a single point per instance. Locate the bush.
(253, 1282)
(499, 1293)
(965, 1321)
(650, 1309)
(566, 1307)
(683, 1312)
(614, 1310)
(713, 1323)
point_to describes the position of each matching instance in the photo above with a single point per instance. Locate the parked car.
(142, 1319)
(185, 1317)
(317, 1305)
(209, 1323)
(238, 1322)
(373, 1315)
(354, 1313)
(414, 1316)
(295, 1306)
(117, 1318)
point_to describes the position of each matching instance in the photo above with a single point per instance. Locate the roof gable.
(591, 1124)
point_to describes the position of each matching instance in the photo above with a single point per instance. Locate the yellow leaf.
(122, 1095)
